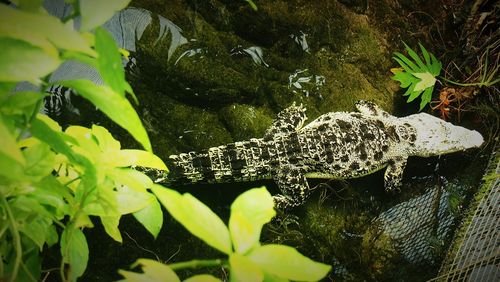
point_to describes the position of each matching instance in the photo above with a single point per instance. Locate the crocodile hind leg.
(293, 186)
(289, 120)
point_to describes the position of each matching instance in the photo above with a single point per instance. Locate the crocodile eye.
(402, 131)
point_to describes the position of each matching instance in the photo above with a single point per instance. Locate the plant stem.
(464, 84)
(15, 237)
(195, 264)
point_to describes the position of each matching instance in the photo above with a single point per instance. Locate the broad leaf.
(130, 201)
(153, 271)
(40, 160)
(110, 224)
(42, 30)
(21, 102)
(249, 212)
(287, 262)
(141, 158)
(109, 63)
(20, 61)
(36, 230)
(96, 12)
(115, 106)
(74, 251)
(195, 217)
(202, 278)
(8, 144)
(151, 217)
(243, 269)
(132, 178)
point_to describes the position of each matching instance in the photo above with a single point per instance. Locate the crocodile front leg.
(289, 120)
(293, 186)
(393, 177)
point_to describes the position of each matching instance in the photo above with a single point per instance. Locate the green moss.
(244, 121)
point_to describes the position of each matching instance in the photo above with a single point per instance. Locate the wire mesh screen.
(414, 225)
(477, 255)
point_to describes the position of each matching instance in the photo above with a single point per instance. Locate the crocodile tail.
(240, 161)
(187, 168)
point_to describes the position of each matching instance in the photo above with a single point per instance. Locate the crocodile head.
(435, 136)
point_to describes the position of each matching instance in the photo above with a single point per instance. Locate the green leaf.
(115, 106)
(195, 217)
(287, 262)
(153, 271)
(36, 230)
(426, 97)
(202, 278)
(268, 277)
(249, 212)
(110, 224)
(243, 269)
(22, 61)
(130, 201)
(415, 57)
(413, 95)
(426, 80)
(40, 160)
(405, 78)
(252, 4)
(104, 138)
(405, 63)
(8, 144)
(21, 102)
(34, 6)
(151, 217)
(96, 12)
(131, 178)
(43, 31)
(435, 67)
(109, 61)
(51, 192)
(427, 58)
(141, 158)
(74, 251)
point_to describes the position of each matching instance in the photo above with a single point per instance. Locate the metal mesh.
(478, 250)
(414, 226)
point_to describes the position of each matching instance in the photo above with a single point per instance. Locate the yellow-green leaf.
(249, 212)
(74, 251)
(141, 158)
(426, 80)
(115, 106)
(8, 144)
(44, 31)
(129, 201)
(151, 217)
(243, 269)
(286, 262)
(202, 278)
(104, 138)
(20, 61)
(110, 224)
(153, 271)
(96, 12)
(195, 217)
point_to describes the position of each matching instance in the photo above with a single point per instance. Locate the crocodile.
(336, 145)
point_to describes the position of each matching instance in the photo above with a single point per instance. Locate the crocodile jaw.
(437, 137)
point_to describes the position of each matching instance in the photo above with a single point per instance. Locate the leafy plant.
(52, 181)
(417, 76)
(247, 260)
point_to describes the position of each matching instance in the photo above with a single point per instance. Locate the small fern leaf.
(426, 80)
